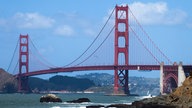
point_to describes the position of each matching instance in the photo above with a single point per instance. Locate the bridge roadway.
(104, 67)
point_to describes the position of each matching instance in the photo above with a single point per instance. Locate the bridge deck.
(105, 67)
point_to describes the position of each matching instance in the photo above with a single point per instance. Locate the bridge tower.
(23, 63)
(121, 75)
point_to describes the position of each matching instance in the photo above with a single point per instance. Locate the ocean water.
(32, 100)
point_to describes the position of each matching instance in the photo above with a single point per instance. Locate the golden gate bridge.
(121, 45)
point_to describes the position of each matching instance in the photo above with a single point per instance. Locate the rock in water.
(119, 106)
(80, 100)
(50, 98)
(95, 106)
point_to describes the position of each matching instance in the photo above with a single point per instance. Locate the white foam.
(56, 107)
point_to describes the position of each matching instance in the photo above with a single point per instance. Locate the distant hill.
(60, 83)
(100, 79)
(137, 85)
(8, 83)
(97, 82)
(141, 85)
(71, 83)
(40, 84)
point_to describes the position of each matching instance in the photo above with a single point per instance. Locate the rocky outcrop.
(50, 98)
(183, 93)
(80, 100)
(119, 106)
(180, 98)
(95, 106)
(152, 103)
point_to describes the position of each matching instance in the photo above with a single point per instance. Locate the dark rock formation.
(50, 98)
(95, 106)
(80, 100)
(151, 104)
(120, 106)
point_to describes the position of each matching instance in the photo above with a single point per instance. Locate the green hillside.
(60, 83)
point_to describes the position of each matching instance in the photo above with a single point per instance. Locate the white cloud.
(48, 49)
(64, 30)
(32, 20)
(157, 13)
(112, 19)
(89, 32)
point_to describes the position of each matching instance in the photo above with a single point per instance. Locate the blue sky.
(58, 26)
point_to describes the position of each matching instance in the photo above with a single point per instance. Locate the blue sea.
(32, 100)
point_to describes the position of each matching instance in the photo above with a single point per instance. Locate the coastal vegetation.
(59, 83)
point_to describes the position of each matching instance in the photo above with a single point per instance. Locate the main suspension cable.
(51, 65)
(93, 40)
(101, 43)
(13, 55)
(150, 38)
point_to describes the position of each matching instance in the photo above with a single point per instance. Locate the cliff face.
(180, 98)
(8, 83)
(183, 94)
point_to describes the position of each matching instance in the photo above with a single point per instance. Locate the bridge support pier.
(168, 79)
(121, 82)
(23, 84)
(181, 74)
(171, 79)
(161, 78)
